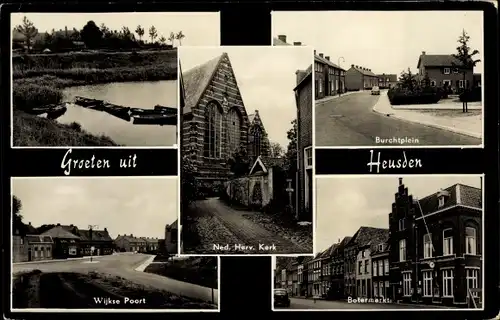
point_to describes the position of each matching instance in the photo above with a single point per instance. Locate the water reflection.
(131, 94)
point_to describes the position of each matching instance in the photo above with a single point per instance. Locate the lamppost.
(340, 72)
(90, 239)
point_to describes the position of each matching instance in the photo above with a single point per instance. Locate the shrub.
(472, 95)
(400, 96)
(27, 97)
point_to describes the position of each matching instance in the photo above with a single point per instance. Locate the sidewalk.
(470, 125)
(330, 98)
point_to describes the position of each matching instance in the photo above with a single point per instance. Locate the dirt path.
(253, 238)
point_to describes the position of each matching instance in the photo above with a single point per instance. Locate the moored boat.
(163, 109)
(159, 119)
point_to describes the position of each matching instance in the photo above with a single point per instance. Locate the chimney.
(314, 51)
(282, 37)
(29, 223)
(352, 66)
(132, 235)
(400, 181)
(297, 43)
(105, 229)
(423, 53)
(71, 225)
(321, 55)
(256, 111)
(118, 235)
(327, 58)
(356, 66)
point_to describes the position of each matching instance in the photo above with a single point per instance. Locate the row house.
(303, 275)
(444, 70)
(329, 78)
(337, 287)
(31, 248)
(387, 81)
(380, 270)
(436, 252)
(130, 243)
(365, 241)
(152, 244)
(360, 78)
(66, 244)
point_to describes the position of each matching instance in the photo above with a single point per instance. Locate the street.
(73, 280)
(234, 233)
(350, 121)
(298, 303)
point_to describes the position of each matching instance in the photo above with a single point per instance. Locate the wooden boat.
(56, 112)
(163, 109)
(89, 103)
(117, 111)
(159, 119)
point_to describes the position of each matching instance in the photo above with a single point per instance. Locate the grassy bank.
(39, 80)
(200, 270)
(30, 130)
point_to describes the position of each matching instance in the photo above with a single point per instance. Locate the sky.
(344, 204)
(141, 206)
(383, 41)
(266, 79)
(200, 28)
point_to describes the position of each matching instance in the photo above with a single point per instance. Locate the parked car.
(375, 90)
(281, 298)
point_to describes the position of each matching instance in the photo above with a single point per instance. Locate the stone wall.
(254, 191)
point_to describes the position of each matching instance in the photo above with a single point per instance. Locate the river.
(129, 94)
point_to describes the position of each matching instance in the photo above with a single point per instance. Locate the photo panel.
(89, 244)
(398, 87)
(100, 79)
(246, 150)
(372, 229)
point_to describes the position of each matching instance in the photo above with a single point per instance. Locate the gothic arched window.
(234, 130)
(213, 131)
(257, 136)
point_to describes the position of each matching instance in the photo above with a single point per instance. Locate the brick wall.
(304, 139)
(19, 250)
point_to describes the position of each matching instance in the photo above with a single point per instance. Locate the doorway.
(30, 258)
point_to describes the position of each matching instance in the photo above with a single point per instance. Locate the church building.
(215, 122)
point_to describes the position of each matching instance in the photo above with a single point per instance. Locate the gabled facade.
(360, 78)
(387, 81)
(130, 243)
(436, 247)
(443, 70)
(337, 290)
(329, 78)
(171, 237)
(215, 123)
(66, 244)
(380, 269)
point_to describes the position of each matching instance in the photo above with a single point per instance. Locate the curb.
(317, 103)
(145, 264)
(428, 124)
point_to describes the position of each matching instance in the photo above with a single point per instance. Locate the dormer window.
(446, 71)
(442, 196)
(381, 247)
(455, 70)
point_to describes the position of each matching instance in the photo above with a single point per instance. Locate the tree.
(427, 80)
(276, 150)
(179, 36)
(17, 218)
(153, 33)
(171, 38)
(28, 30)
(408, 80)
(190, 186)
(291, 152)
(91, 35)
(465, 62)
(126, 33)
(239, 161)
(140, 32)
(162, 40)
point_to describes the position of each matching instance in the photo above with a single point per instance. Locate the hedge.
(399, 96)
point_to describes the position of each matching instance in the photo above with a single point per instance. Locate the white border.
(399, 309)
(96, 310)
(295, 108)
(397, 146)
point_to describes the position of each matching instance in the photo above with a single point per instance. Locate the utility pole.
(90, 238)
(340, 72)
